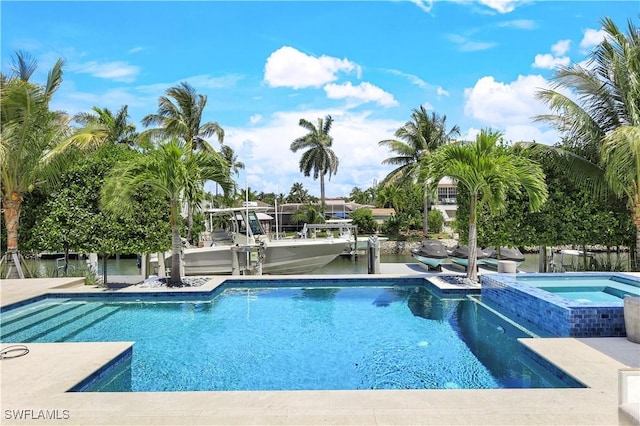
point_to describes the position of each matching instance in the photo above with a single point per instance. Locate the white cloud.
(288, 67)
(548, 61)
(441, 91)
(592, 38)
(362, 93)
(425, 5)
(501, 104)
(510, 108)
(209, 82)
(414, 79)
(561, 47)
(501, 6)
(272, 167)
(135, 50)
(117, 70)
(467, 45)
(256, 118)
(520, 24)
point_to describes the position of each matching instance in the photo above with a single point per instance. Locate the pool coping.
(39, 380)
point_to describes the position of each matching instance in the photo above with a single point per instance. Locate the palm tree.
(117, 127)
(604, 120)
(318, 157)
(308, 214)
(417, 138)
(232, 159)
(488, 171)
(173, 172)
(298, 193)
(180, 115)
(29, 132)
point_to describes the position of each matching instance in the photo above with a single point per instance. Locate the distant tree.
(246, 194)
(298, 194)
(416, 139)
(307, 214)
(114, 129)
(359, 196)
(436, 221)
(318, 158)
(363, 218)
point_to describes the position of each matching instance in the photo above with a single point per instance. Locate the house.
(447, 199)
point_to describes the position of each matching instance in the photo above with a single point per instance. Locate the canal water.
(341, 265)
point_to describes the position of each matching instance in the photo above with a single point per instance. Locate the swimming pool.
(368, 335)
(565, 304)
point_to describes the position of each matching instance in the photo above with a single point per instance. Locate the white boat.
(341, 228)
(249, 249)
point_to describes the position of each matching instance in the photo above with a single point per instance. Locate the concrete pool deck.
(35, 386)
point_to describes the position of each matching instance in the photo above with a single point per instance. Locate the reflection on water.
(342, 265)
(76, 267)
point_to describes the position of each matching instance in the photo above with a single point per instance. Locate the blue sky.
(264, 65)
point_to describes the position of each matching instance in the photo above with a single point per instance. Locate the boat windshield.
(256, 228)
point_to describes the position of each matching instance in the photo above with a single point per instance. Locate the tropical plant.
(29, 133)
(359, 196)
(603, 119)
(171, 171)
(232, 159)
(363, 219)
(180, 115)
(298, 194)
(116, 129)
(246, 194)
(417, 138)
(488, 171)
(307, 214)
(436, 221)
(318, 158)
(68, 216)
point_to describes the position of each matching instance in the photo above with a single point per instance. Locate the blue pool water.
(400, 337)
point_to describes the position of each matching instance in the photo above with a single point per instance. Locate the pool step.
(29, 310)
(28, 330)
(34, 317)
(71, 329)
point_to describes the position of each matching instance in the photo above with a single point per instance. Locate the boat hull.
(281, 257)
(429, 261)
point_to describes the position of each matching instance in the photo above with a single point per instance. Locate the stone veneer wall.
(553, 314)
(404, 247)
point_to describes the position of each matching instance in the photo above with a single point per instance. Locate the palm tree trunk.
(12, 207)
(322, 205)
(636, 221)
(425, 216)
(636, 263)
(176, 247)
(189, 222)
(104, 268)
(472, 267)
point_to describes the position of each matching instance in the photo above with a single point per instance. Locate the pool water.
(589, 296)
(585, 289)
(400, 337)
